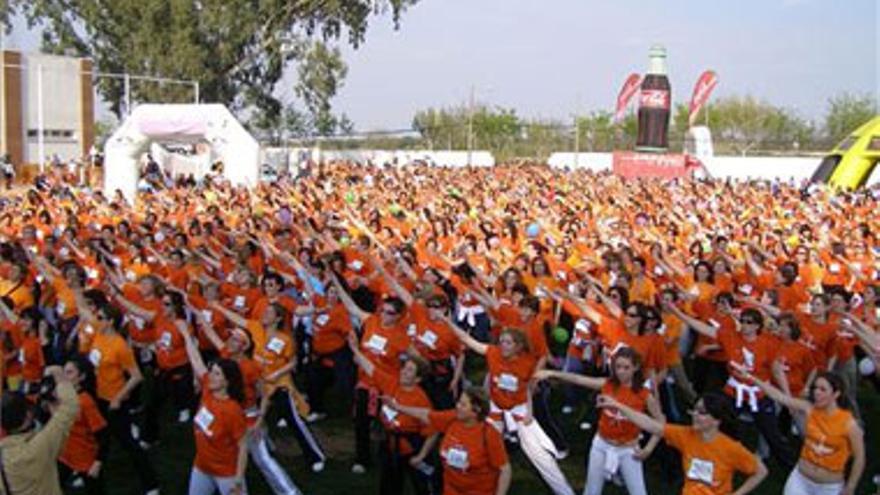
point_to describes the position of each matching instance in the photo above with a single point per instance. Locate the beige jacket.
(30, 460)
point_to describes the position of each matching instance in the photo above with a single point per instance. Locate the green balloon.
(345, 241)
(560, 335)
(349, 197)
(394, 209)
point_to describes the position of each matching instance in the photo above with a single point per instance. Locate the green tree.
(746, 124)
(321, 74)
(236, 49)
(846, 112)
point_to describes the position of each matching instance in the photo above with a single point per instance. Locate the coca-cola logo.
(654, 98)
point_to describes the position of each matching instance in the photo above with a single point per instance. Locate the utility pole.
(41, 138)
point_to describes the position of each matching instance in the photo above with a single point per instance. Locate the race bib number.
(411, 330)
(64, 252)
(508, 382)
(377, 344)
(356, 265)
(658, 271)
(138, 322)
(275, 345)
(61, 308)
(457, 457)
(89, 330)
(21, 356)
(834, 268)
(165, 340)
(239, 301)
(95, 357)
(429, 338)
(130, 275)
(701, 470)
(204, 419)
(207, 315)
(322, 320)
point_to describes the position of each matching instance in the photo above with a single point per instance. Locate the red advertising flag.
(705, 84)
(626, 93)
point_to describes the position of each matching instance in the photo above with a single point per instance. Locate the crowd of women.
(467, 313)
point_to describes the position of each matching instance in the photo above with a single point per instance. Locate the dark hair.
(234, 380)
(638, 380)
(87, 372)
(719, 406)
(15, 409)
(531, 303)
(395, 302)
(479, 401)
(837, 385)
(519, 337)
(423, 367)
(622, 293)
(274, 276)
(178, 304)
(708, 266)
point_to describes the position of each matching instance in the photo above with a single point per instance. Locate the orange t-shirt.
(383, 346)
(433, 340)
(797, 363)
(472, 455)
(81, 449)
(170, 348)
(508, 378)
(272, 351)
(219, 425)
(709, 466)
(392, 419)
(826, 440)
(331, 329)
(112, 357)
(613, 426)
(30, 355)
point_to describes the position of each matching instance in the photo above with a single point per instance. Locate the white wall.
(380, 157)
(758, 167)
(61, 104)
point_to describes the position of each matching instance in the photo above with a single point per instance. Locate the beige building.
(62, 86)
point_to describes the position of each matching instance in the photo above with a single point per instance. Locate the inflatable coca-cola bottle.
(655, 99)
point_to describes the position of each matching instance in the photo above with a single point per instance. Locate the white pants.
(538, 448)
(201, 483)
(798, 484)
(606, 460)
(274, 474)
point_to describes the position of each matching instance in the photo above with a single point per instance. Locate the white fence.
(736, 167)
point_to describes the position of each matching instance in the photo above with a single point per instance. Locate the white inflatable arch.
(215, 124)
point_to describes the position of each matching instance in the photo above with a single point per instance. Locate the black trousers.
(541, 411)
(767, 424)
(362, 423)
(709, 376)
(281, 403)
(176, 383)
(321, 376)
(119, 422)
(92, 486)
(436, 385)
(395, 467)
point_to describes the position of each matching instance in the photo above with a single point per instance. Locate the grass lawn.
(173, 459)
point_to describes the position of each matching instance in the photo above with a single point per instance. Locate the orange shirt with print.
(508, 378)
(709, 466)
(472, 455)
(383, 346)
(219, 425)
(81, 449)
(170, 347)
(272, 351)
(613, 426)
(433, 340)
(392, 419)
(140, 330)
(331, 329)
(797, 362)
(826, 440)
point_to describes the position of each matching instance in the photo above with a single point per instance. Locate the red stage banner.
(626, 93)
(633, 165)
(705, 84)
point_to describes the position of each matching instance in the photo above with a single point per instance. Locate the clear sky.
(549, 58)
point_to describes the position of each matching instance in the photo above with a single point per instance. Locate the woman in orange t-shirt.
(615, 448)
(220, 425)
(86, 447)
(710, 457)
(831, 437)
(473, 453)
